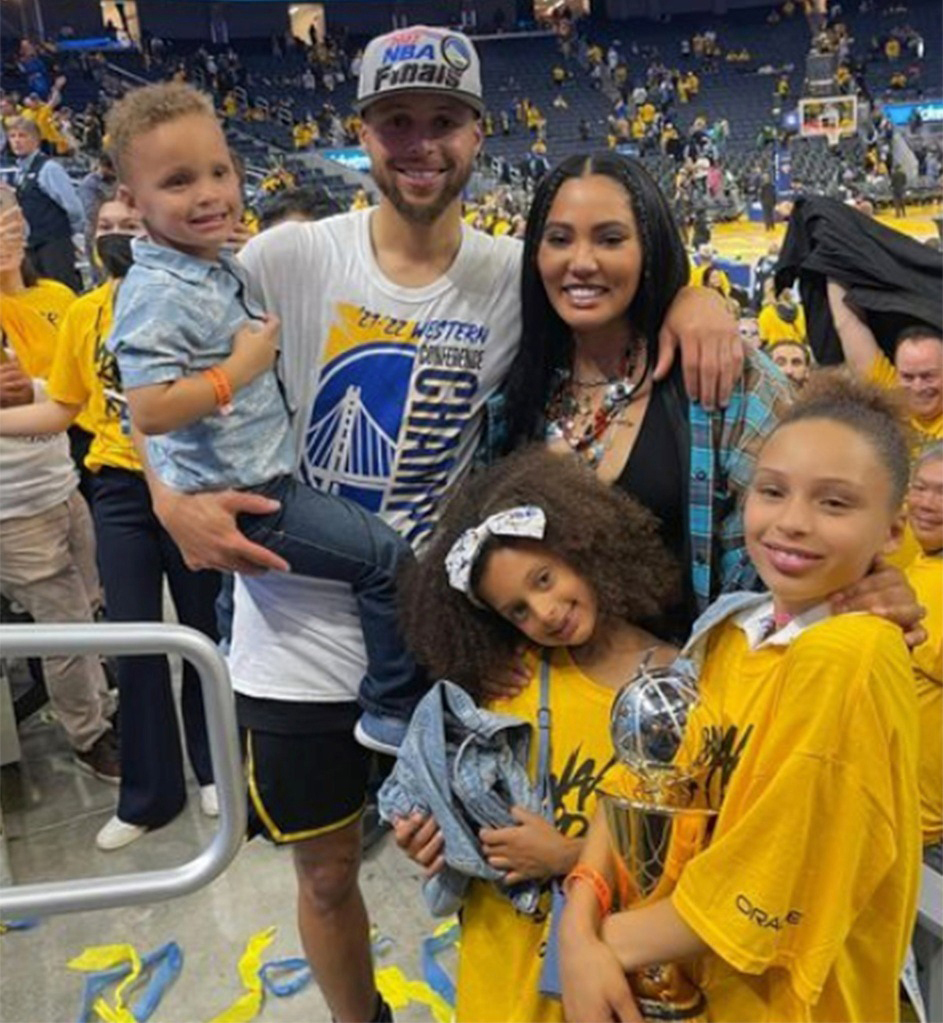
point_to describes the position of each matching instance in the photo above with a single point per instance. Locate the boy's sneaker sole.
(371, 743)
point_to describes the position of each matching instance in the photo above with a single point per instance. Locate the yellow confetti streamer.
(399, 991)
(446, 927)
(107, 957)
(249, 1004)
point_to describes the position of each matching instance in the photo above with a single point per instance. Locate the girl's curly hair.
(603, 534)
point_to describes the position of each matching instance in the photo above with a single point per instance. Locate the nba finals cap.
(420, 59)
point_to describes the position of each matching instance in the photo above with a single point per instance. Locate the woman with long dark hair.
(603, 261)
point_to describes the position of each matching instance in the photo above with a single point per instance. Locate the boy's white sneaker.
(381, 734)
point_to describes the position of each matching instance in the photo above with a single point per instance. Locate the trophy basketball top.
(659, 726)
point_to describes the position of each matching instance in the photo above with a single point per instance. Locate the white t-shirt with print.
(388, 387)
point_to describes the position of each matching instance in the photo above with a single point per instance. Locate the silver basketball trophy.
(659, 810)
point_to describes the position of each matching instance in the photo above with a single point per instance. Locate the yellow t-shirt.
(906, 551)
(84, 372)
(773, 327)
(501, 952)
(720, 278)
(31, 321)
(807, 893)
(925, 575)
(883, 373)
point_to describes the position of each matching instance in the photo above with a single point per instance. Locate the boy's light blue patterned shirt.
(176, 315)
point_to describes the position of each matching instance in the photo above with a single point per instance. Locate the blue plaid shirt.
(723, 448)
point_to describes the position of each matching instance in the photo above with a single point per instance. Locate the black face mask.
(114, 251)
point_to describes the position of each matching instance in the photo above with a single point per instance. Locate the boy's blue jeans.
(328, 537)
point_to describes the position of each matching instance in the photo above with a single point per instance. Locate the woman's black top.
(654, 476)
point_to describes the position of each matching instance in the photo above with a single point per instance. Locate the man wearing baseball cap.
(398, 324)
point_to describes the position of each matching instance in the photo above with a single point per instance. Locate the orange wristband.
(582, 872)
(222, 388)
(623, 883)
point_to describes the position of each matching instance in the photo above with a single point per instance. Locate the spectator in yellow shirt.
(707, 275)
(925, 575)
(917, 369)
(782, 320)
(917, 366)
(301, 135)
(135, 553)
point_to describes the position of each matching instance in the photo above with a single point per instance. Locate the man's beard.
(427, 213)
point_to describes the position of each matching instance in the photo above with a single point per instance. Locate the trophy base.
(665, 993)
(655, 1012)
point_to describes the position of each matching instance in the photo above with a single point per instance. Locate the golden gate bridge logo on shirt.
(394, 397)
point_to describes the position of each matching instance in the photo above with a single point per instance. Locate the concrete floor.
(51, 812)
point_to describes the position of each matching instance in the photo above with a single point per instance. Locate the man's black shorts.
(306, 773)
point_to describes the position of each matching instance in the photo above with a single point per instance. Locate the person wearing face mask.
(135, 553)
(47, 543)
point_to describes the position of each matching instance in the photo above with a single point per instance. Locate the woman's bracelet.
(601, 888)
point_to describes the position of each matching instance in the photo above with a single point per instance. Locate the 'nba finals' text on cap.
(420, 59)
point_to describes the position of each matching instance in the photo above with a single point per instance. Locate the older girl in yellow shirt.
(802, 905)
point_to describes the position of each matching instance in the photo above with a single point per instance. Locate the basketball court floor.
(745, 241)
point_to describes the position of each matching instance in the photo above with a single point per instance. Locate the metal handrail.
(82, 894)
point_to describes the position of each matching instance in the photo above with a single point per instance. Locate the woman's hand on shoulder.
(507, 682)
(885, 592)
(421, 839)
(702, 326)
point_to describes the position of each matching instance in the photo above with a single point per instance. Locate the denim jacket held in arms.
(466, 767)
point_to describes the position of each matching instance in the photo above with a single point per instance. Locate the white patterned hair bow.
(526, 520)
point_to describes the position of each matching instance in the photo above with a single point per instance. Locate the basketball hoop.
(832, 135)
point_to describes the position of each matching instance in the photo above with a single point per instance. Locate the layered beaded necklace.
(571, 418)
